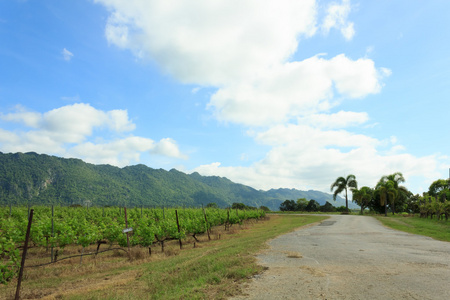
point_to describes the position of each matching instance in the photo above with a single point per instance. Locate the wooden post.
(207, 225)
(53, 234)
(126, 226)
(24, 255)
(178, 224)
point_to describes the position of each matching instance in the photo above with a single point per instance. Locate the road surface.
(352, 257)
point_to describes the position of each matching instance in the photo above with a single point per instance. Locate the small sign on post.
(127, 230)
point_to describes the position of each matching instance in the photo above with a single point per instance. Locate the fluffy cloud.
(337, 17)
(168, 147)
(67, 55)
(309, 158)
(72, 131)
(296, 89)
(341, 119)
(211, 42)
(244, 49)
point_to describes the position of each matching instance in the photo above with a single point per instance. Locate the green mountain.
(31, 178)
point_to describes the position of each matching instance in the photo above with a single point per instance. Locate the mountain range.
(32, 179)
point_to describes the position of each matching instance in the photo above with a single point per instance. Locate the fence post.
(126, 226)
(24, 255)
(178, 224)
(53, 234)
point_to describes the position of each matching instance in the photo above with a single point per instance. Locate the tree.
(440, 190)
(327, 207)
(363, 196)
(400, 191)
(264, 208)
(288, 205)
(342, 184)
(301, 204)
(387, 191)
(313, 205)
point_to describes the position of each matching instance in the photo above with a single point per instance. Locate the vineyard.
(54, 228)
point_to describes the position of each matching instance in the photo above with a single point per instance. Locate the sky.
(270, 94)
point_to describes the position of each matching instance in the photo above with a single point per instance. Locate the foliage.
(343, 184)
(84, 227)
(389, 190)
(304, 205)
(288, 205)
(313, 205)
(241, 206)
(327, 207)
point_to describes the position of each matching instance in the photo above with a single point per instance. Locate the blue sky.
(267, 93)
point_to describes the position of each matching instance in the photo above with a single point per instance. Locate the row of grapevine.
(62, 226)
(431, 206)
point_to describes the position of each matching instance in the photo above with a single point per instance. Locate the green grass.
(212, 270)
(439, 230)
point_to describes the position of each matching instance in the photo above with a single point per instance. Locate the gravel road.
(352, 257)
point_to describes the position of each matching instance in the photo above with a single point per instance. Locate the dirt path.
(352, 257)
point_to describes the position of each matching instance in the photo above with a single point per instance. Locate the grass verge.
(212, 270)
(439, 230)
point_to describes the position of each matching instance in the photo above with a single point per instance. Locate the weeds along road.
(352, 257)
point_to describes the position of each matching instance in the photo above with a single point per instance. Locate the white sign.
(127, 230)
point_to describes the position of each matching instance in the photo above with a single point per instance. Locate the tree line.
(310, 206)
(389, 195)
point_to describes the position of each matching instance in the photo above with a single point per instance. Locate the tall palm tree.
(342, 184)
(363, 196)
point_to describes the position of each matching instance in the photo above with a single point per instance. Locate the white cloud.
(168, 147)
(211, 42)
(309, 158)
(245, 49)
(340, 119)
(67, 55)
(78, 130)
(337, 17)
(21, 115)
(296, 89)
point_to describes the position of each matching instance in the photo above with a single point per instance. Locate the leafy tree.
(301, 204)
(363, 196)
(212, 205)
(288, 205)
(342, 184)
(341, 209)
(313, 205)
(264, 208)
(241, 206)
(327, 207)
(440, 189)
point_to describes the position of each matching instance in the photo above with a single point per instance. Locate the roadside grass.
(436, 229)
(352, 212)
(201, 270)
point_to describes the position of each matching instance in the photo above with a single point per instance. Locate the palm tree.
(342, 184)
(387, 191)
(362, 197)
(401, 191)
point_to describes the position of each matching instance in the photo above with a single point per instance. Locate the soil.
(352, 257)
